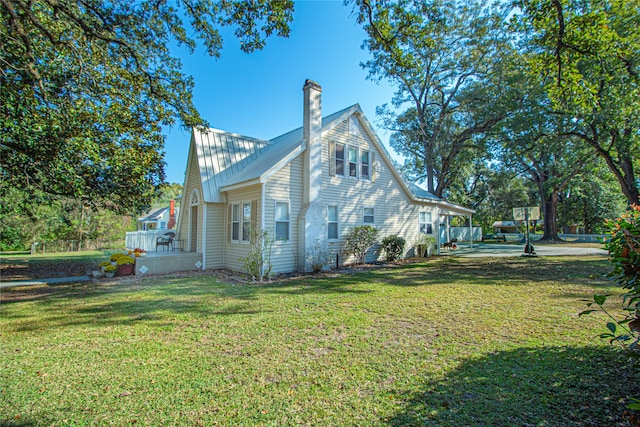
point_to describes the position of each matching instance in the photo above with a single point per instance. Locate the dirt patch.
(43, 269)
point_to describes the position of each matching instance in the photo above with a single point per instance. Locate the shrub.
(359, 240)
(423, 243)
(257, 263)
(104, 263)
(624, 254)
(393, 247)
(318, 257)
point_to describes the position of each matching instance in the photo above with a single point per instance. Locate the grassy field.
(447, 342)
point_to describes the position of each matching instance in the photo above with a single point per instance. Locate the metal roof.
(228, 160)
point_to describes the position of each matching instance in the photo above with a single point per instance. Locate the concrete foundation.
(169, 262)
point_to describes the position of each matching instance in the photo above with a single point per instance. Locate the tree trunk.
(549, 211)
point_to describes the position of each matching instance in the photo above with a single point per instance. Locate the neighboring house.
(158, 218)
(309, 187)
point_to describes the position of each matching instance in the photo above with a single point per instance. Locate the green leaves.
(88, 85)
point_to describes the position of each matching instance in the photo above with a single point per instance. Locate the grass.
(446, 342)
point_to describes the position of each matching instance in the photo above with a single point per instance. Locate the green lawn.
(447, 342)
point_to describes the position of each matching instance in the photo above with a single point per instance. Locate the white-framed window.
(425, 223)
(353, 162)
(340, 159)
(364, 164)
(332, 222)
(235, 223)
(368, 216)
(246, 221)
(282, 222)
(163, 225)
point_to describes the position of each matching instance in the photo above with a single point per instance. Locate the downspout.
(262, 219)
(204, 236)
(437, 230)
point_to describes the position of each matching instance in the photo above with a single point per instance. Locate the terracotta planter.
(125, 270)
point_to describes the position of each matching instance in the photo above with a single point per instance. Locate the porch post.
(470, 230)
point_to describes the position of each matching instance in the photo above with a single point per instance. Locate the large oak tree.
(446, 60)
(589, 53)
(86, 85)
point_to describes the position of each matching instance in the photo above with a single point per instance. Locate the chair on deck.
(165, 240)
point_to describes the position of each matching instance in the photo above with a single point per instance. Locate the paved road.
(508, 250)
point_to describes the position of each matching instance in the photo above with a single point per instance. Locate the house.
(308, 187)
(159, 218)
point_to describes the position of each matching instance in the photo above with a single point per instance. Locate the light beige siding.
(192, 182)
(215, 227)
(285, 186)
(234, 251)
(394, 212)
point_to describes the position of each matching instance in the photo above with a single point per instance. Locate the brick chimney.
(172, 214)
(312, 218)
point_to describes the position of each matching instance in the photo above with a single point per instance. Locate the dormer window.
(353, 162)
(364, 165)
(340, 159)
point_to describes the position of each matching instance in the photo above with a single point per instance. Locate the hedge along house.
(308, 187)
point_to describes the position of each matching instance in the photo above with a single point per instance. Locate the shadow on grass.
(532, 386)
(202, 294)
(511, 271)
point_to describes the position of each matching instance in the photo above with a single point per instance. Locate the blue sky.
(260, 94)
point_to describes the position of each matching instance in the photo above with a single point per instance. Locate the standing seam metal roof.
(226, 159)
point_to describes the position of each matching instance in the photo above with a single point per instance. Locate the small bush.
(423, 243)
(393, 247)
(359, 240)
(318, 257)
(624, 254)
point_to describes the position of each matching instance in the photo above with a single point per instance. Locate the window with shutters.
(235, 223)
(282, 221)
(339, 159)
(364, 165)
(246, 222)
(353, 162)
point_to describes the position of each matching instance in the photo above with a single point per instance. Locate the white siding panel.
(395, 213)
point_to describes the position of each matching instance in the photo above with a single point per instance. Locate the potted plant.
(110, 270)
(138, 252)
(114, 258)
(125, 265)
(103, 264)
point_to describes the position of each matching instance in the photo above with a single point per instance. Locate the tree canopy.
(87, 84)
(446, 59)
(588, 52)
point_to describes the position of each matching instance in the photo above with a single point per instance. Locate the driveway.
(512, 249)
